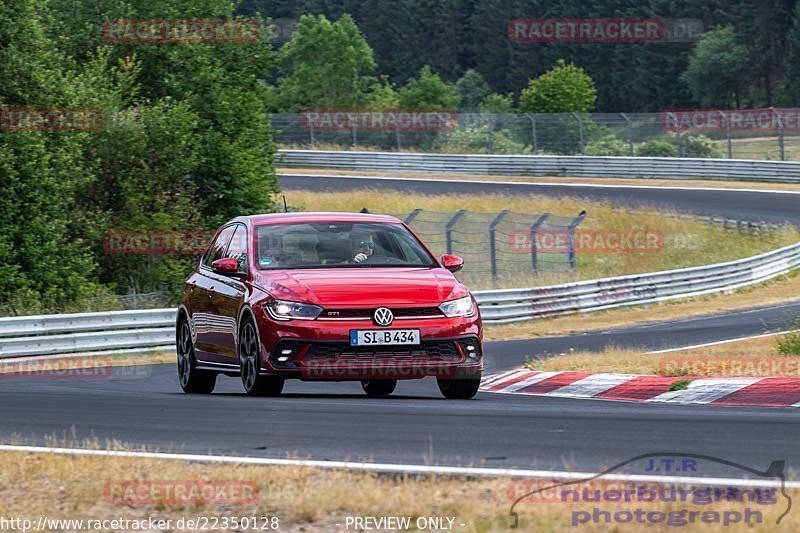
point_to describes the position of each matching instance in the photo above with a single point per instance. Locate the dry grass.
(716, 184)
(75, 364)
(303, 499)
(762, 148)
(746, 358)
(686, 242)
(783, 289)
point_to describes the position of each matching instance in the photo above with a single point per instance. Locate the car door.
(203, 286)
(228, 298)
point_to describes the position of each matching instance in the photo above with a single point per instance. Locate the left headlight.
(283, 310)
(461, 307)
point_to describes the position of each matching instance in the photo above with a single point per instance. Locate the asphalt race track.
(331, 421)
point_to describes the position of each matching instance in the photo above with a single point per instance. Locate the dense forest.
(453, 36)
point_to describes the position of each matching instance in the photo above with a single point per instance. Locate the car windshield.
(339, 244)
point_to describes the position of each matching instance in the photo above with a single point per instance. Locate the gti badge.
(383, 317)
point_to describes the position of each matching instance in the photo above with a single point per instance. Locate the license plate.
(383, 337)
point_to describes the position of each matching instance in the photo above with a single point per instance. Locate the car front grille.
(356, 314)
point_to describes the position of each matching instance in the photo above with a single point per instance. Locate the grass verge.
(758, 357)
(306, 499)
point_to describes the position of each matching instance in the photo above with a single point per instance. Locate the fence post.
(728, 134)
(355, 137)
(397, 136)
(580, 133)
(573, 263)
(534, 142)
(449, 228)
(780, 135)
(412, 215)
(534, 228)
(488, 120)
(630, 132)
(311, 131)
(678, 139)
(493, 241)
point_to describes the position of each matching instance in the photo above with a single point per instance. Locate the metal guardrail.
(155, 329)
(546, 165)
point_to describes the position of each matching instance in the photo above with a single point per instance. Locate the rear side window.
(219, 247)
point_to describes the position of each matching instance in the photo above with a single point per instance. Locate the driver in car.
(365, 249)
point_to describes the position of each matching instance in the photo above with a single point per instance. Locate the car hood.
(363, 287)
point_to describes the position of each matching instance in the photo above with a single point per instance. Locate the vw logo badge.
(383, 317)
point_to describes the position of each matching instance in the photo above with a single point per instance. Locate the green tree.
(43, 262)
(717, 67)
(566, 88)
(791, 82)
(428, 92)
(327, 65)
(472, 90)
(498, 103)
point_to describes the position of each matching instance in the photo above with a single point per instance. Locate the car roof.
(282, 218)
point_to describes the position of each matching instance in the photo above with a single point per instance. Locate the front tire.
(378, 388)
(461, 388)
(254, 383)
(192, 380)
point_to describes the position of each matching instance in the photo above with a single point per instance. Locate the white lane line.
(705, 390)
(717, 343)
(405, 468)
(541, 376)
(591, 385)
(547, 184)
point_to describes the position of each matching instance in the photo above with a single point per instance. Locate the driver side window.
(238, 247)
(219, 247)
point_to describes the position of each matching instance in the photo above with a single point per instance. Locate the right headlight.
(283, 310)
(461, 307)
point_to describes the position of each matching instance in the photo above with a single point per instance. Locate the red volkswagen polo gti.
(329, 297)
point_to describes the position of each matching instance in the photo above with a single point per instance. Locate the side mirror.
(453, 263)
(227, 266)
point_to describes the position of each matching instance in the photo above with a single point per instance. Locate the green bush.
(789, 344)
(697, 146)
(657, 148)
(474, 140)
(608, 145)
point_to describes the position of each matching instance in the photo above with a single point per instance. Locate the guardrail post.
(535, 144)
(630, 132)
(412, 215)
(580, 133)
(534, 228)
(449, 228)
(493, 241)
(573, 263)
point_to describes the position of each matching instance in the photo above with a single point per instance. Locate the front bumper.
(320, 350)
